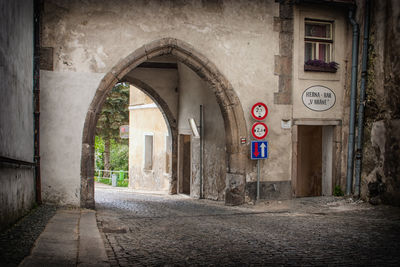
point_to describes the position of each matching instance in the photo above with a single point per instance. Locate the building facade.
(222, 55)
(149, 144)
(209, 62)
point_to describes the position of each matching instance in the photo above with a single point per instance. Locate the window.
(318, 46)
(148, 152)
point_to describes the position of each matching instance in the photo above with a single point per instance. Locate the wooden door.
(185, 162)
(309, 161)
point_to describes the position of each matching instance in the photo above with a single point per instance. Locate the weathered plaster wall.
(337, 82)
(193, 92)
(64, 104)
(163, 81)
(237, 36)
(16, 70)
(17, 193)
(143, 121)
(305, 79)
(381, 156)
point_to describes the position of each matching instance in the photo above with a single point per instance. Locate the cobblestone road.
(157, 230)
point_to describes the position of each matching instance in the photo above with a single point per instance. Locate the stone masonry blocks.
(284, 61)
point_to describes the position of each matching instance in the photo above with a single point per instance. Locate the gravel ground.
(16, 242)
(161, 230)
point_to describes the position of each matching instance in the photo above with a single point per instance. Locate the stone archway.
(231, 109)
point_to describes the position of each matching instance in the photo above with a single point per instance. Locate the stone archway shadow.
(230, 106)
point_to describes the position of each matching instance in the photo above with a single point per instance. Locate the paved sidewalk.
(71, 238)
(17, 241)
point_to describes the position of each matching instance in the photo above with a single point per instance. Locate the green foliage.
(338, 191)
(108, 144)
(103, 181)
(98, 152)
(120, 183)
(119, 156)
(114, 113)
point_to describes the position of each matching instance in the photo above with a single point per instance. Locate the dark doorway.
(185, 163)
(309, 161)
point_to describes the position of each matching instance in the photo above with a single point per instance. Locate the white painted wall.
(163, 81)
(65, 99)
(146, 119)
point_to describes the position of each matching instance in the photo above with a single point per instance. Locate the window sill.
(319, 69)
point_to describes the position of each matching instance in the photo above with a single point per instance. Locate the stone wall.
(381, 155)
(17, 190)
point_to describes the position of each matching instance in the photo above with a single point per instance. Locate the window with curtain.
(318, 40)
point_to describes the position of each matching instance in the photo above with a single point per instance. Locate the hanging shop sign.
(319, 98)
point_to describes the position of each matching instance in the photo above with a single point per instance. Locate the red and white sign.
(259, 130)
(259, 111)
(124, 131)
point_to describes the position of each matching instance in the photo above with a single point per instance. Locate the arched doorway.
(230, 106)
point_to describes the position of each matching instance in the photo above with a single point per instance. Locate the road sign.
(259, 149)
(259, 111)
(259, 130)
(124, 131)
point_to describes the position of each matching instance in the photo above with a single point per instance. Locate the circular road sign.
(259, 111)
(259, 130)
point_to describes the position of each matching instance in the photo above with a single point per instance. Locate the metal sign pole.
(258, 179)
(201, 149)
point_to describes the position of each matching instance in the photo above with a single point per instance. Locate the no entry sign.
(259, 111)
(259, 130)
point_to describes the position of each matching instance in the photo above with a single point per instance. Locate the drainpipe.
(353, 96)
(36, 97)
(361, 106)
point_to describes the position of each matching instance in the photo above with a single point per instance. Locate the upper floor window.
(318, 46)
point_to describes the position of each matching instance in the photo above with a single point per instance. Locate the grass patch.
(338, 191)
(120, 183)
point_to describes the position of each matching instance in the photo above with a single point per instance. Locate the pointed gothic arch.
(230, 106)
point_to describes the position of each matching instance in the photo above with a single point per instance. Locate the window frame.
(146, 157)
(327, 65)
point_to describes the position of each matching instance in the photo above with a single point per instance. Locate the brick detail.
(284, 61)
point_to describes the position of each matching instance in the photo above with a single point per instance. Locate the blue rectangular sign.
(259, 149)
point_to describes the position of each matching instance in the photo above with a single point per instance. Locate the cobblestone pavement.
(16, 242)
(157, 230)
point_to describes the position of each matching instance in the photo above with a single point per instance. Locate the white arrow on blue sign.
(259, 149)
